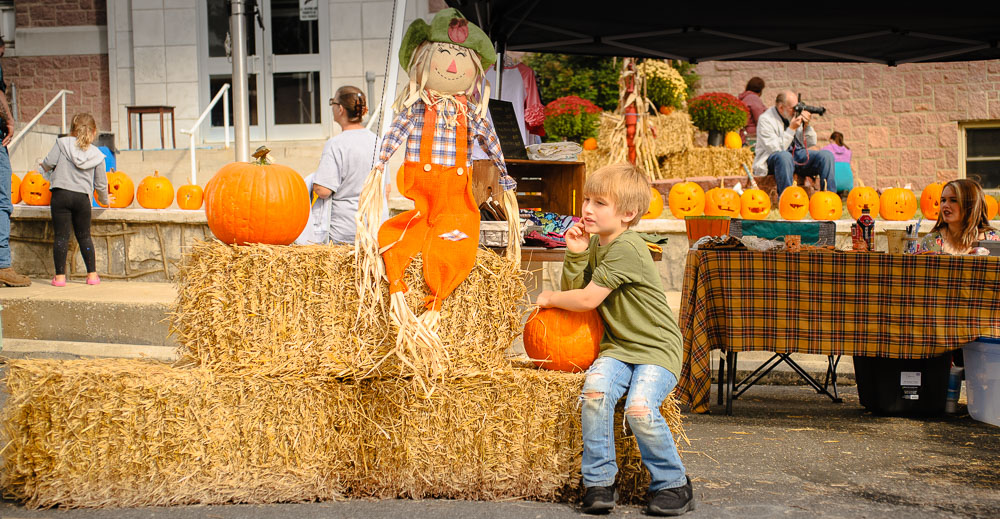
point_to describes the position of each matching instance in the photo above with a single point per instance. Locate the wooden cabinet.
(554, 186)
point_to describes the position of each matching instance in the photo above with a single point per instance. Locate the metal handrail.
(31, 124)
(224, 94)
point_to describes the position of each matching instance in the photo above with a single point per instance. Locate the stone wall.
(902, 123)
(60, 13)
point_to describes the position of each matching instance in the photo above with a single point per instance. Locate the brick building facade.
(55, 49)
(904, 124)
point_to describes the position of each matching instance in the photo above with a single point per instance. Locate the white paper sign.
(909, 378)
(308, 10)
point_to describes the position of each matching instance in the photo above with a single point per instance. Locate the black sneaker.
(671, 501)
(599, 500)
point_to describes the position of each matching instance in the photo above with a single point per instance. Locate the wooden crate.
(554, 186)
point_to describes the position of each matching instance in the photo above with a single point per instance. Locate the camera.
(818, 110)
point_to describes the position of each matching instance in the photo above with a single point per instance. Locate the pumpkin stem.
(261, 155)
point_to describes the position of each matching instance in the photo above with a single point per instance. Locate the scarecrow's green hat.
(448, 26)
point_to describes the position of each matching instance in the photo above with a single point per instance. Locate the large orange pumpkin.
(825, 205)
(561, 340)
(190, 196)
(121, 186)
(734, 141)
(15, 189)
(897, 204)
(155, 192)
(794, 203)
(991, 207)
(755, 204)
(721, 201)
(686, 199)
(256, 202)
(655, 204)
(35, 189)
(860, 198)
(930, 200)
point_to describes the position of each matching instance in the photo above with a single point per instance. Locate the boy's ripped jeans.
(607, 381)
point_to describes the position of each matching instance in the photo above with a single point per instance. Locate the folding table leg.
(831, 377)
(731, 379)
(722, 374)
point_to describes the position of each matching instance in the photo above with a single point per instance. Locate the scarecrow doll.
(439, 125)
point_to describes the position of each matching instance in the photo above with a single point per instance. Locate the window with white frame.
(981, 153)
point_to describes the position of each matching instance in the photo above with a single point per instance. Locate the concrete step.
(46, 349)
(116, 313)
(175, 164)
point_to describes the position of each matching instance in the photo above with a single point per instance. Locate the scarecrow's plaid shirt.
(409, 126)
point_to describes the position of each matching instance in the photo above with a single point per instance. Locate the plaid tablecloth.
(831, 303)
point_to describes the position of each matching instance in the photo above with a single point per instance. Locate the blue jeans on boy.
(6, 208)
(815, 163)
(647, 386)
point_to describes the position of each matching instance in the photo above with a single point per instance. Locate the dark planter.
(716, 138)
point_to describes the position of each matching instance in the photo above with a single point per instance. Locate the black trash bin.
(903, 386)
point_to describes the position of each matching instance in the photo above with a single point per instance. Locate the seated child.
(608, 267)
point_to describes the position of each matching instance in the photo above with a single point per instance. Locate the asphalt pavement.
(786, 452)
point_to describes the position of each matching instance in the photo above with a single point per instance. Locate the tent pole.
(392, 67)
(241, 107)
(501, 50)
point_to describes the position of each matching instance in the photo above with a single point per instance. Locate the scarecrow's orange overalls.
(443, 226)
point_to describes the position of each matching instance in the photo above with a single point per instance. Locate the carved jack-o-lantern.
(860, 198)
(755, 204)
(991, 207)
(720, 201)
(930, 200)
(897, 204)
(825, 205)
(121, 189)
(794, 203)
(35, 189)
(655, 204)
(15, 189)
(686, 199)
(155, 192)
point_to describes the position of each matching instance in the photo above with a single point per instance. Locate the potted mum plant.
(571, 118)
(717, 113)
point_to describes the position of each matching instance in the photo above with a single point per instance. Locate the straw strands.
(293, 310)
(714, 161)
(667, 134)
(111, 433)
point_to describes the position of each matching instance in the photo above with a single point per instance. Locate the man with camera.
(784, 137)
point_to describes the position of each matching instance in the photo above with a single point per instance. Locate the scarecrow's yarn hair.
(418, 70)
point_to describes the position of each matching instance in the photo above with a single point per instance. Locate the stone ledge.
(183, 216)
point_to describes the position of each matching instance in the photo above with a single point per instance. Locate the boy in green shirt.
(608, 267)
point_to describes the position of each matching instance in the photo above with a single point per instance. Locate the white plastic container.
(982, 379)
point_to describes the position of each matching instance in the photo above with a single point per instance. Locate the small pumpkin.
(897, 204)
(733, 140)
(825, 205)
(35, 189)
(561, 340)
(930, 200)
(190, 196)
(991, 207)
(794, 203)
(122, 189)
(256, 202)
(721, 201)
(860, 198)
(15, 189)
(155, 192)
(666, 110)
(755, 204)
(590, 144)
(686, 199)
(655, 204)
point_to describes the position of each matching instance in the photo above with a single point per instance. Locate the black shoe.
(599, 500)
(671, 501)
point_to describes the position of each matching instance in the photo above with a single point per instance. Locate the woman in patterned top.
(962, 222)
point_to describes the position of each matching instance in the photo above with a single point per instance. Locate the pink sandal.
(57, 283)
(95, 281)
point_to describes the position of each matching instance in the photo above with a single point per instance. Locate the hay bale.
(714, 161)
(669, 135)
(116, 433)
(277, 310)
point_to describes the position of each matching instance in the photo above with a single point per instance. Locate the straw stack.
(276, 310)
(114, 433)
(714, 161)
(670, 134)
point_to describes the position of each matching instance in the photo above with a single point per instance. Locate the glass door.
(296, 78)
(287, 68)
